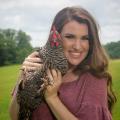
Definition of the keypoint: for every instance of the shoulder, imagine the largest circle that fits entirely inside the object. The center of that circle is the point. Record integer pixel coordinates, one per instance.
(94, 83)
(90, 78)
(95, 89)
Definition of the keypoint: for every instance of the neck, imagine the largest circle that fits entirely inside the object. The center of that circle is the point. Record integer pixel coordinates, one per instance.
(71, 68)
(70, 75)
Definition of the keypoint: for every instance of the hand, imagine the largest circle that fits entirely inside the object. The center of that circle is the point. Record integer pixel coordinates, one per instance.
(52, 90)
(32, 62)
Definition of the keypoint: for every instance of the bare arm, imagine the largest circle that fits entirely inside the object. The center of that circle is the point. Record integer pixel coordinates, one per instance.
(14, 109)
(31, 63)
(58, 108)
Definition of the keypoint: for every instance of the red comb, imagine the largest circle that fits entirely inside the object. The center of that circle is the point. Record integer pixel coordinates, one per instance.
(55, 36)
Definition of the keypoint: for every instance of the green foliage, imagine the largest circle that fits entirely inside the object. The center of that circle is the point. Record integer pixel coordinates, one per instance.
(7, 46)
(9, 74)
(23, 46)
(14, 46)
(113, 49)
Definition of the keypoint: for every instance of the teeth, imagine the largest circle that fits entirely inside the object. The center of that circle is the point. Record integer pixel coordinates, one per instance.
(76, 55)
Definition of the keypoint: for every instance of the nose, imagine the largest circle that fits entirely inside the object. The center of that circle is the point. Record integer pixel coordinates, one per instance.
(77, 44)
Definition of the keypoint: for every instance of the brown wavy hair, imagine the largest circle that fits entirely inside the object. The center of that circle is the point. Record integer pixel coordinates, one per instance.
(96, 61)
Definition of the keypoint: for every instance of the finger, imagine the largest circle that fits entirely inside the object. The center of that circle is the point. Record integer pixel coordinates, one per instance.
(49, 74)
(34, 54)
(54, 73)
(59, 75)
(50, 77)
(30, 64)
(34, 60)
(44, 84)
(28, 68)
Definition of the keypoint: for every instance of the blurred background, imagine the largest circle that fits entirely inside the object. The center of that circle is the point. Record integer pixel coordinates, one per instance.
(25, 25)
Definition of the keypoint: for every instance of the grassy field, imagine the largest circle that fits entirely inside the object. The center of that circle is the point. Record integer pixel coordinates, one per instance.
(115, 71)
(8, 77)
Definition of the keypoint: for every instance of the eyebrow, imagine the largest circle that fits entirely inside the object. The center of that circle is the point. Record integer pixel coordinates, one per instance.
(74, 35)
(68, 34)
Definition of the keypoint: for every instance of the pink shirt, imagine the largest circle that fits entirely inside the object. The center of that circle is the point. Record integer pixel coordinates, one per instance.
(86, 98)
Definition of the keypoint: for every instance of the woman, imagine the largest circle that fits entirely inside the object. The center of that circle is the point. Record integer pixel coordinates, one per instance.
(84, 92)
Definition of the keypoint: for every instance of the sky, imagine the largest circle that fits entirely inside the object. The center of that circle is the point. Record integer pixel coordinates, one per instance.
(35, 17)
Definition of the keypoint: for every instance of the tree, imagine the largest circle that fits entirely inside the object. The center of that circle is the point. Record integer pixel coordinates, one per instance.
(113, 49)
(7, 46)
(14, 46)
(23, 45)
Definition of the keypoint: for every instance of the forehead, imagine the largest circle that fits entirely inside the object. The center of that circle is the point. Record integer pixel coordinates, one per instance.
(75, 27)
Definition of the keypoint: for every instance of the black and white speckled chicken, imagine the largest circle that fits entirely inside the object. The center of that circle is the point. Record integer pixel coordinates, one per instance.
(31, 95)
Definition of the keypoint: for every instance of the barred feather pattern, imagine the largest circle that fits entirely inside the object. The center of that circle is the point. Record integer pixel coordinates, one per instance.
(31, 95)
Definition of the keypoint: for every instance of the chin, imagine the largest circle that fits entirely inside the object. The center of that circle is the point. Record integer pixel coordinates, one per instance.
(75, 63)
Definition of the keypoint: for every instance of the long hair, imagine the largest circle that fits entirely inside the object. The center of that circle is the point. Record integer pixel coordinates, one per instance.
(96, 61)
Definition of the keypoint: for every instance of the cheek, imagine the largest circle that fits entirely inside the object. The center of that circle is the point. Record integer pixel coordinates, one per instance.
(66, 46)
(85, 45)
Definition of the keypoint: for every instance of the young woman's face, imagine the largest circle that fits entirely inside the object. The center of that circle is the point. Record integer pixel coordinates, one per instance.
(75, 42)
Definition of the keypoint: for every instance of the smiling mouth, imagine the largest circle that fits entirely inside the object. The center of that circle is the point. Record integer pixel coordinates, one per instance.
(75, 54)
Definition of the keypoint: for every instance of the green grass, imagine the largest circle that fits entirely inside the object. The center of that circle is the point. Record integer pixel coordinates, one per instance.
(115, 71)
(8, 77)
(9, 74)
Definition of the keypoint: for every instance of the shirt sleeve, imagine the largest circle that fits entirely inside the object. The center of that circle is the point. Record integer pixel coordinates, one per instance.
(93, 112)
(93, 105)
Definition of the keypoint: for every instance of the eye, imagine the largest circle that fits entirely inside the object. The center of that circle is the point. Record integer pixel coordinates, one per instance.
(71, 37)
(85, 37)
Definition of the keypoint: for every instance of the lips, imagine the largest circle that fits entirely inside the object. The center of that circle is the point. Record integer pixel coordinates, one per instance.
(75, 54)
